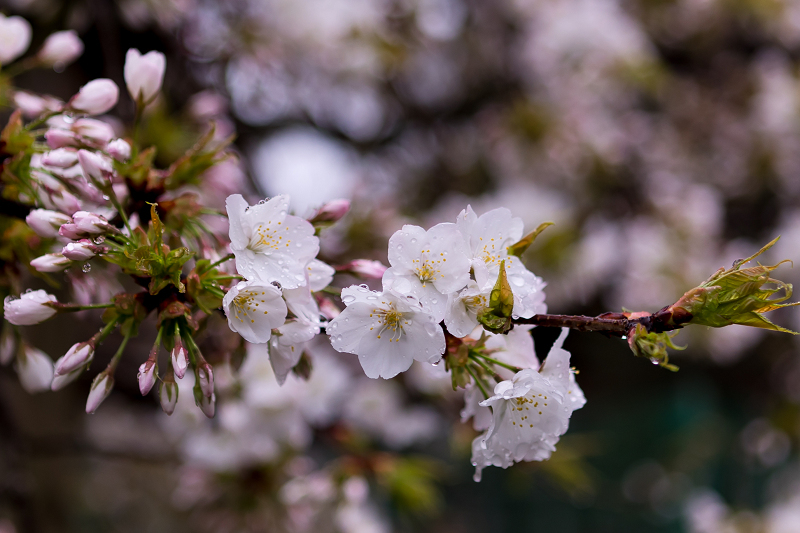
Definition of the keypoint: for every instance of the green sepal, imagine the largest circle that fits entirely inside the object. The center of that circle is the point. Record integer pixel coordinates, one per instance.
(497, 315)
(518, 248)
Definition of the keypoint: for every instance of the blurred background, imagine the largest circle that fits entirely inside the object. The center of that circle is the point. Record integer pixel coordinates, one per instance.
(661, 136)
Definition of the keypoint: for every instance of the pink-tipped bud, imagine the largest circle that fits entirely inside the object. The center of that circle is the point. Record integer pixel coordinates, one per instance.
(35, 369)
(327, 308)
(33, 105)
(60, 49)
(144, 74)
(61, 381)
(180, 358)
(364, 268)
(58, 138)
(148, 372)
(331, 211)
(80, 251)
(65, 201)
(50, 263)
(30, 308)
(46, 223)
(85, 223)
(95, 131)
(168, 394)
(96, 97)
(101, 388)
(119, 149)
(60, 157)
(207, 404)
(76, 357)
(96, 166)
(205, 377)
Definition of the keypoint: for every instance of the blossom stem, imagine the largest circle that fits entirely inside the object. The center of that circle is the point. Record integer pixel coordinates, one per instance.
(112, 366)
(486, 367)
(194, 351)
(496, 362)
(217, 263)
(477, 381)
(75, 307)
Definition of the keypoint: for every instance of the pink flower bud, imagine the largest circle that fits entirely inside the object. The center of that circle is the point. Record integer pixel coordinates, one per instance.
(331, 211)
(33, 105)
(96, 166)
(65, 201)
(58, 138)
(15, 37)
(60, 157)
(101, 388)
(79, 251)
(60, 49)
(30, 308)
(96, 97)
(144, 74)
(119, 149)
(364, 268)
(62, 380)
(168, 394)
(96, 131)
(205, 403)
(76, 357)
(205, 377)
(90, 223)
(148, 372)
(50, 263)
(180, 358)
(35, 370)
(327, 308)
(46, 223)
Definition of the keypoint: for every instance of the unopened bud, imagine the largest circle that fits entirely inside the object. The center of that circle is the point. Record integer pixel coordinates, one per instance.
(93, 131)
(16, 37)
(205, 377)
(94, 165)
(46, 223)
(119, 149)
(96, 97)
(60, 157)
(364, 268)
(327, 308)
(101, 388)
(59, 138)
(33, 105)
(62, 380)
(76, 357)
(144, 74)
(168, 394)
(35, 369)
(65, 201)
(331, 212)
(50, 263)
(60, 49)
(205, 403)
(180, 358)
(80, 251)
(30, 308)
(148, 372)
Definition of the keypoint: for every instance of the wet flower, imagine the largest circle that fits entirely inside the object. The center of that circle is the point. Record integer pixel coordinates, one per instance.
(253, 308)
(428, 264)
(529, 413)
(30, 308)
(78, 356)
(15, 37)
(269, 244)
(50, 263)
(387, 331)
(101, 388)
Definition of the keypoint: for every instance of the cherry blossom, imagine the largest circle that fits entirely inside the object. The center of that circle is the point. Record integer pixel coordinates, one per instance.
(387, 331)
(269, 244)
(253, 308)
(30, 308)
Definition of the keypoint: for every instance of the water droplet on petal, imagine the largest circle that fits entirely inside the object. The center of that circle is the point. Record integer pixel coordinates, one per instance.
(348, 299)
(430, 328)
(86, 268)
(99, 239)
(106, 197)
(413, 241)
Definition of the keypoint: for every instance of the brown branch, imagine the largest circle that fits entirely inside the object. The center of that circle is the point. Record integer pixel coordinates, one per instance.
(615, 324)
